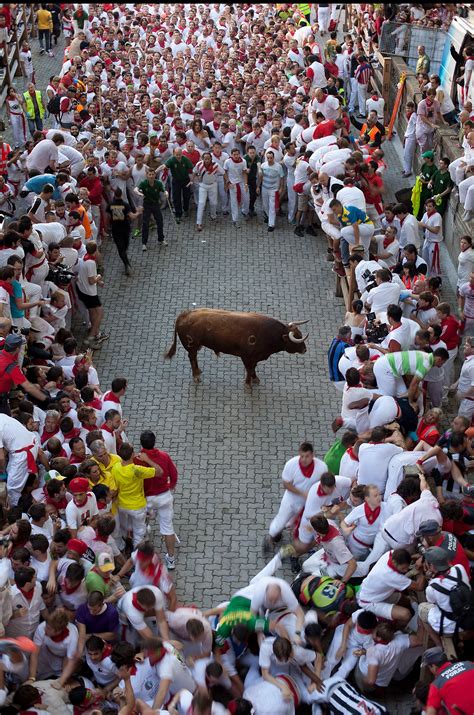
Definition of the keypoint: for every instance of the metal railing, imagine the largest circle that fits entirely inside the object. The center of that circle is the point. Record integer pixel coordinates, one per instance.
(402, 39)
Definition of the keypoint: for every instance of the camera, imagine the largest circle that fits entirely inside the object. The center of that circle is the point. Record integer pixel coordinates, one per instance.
(21, 331)
(60, 275)
(369, 279)
(375, 333)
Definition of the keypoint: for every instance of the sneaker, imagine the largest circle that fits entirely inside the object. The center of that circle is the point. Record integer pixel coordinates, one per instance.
(287, 551)
(311, 231)
(270, 229)
(163, 243)
(41, 51)
(178, 219)
(299, 230)
(144, 248)
(267, 545)
(101, 337)
(295, 565)
(50, 53)
(170, 562)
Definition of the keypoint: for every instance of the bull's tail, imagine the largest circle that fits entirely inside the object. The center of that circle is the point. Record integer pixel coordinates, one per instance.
(172, 350)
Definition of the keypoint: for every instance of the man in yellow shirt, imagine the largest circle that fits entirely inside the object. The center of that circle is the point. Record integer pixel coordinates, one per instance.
(45, 27)
(131, 495)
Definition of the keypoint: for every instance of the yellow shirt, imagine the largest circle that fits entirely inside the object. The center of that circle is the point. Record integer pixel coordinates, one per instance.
(107, 479)
(45, 20)
(129, 479)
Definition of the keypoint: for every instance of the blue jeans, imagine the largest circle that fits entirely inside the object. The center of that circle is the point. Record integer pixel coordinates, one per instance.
(35, 124)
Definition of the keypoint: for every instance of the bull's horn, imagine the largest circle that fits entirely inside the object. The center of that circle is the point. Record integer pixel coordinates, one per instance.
(297, 340)
(297, 322)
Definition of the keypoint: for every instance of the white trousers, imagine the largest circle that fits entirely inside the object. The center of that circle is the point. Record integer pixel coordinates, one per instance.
(290, 506)
(235, 207)
(33, 293)
(162, 504)
(323, 19)
(457, 169)
(466, 408)
(269, 200)
(387, 383)
(76, 168)
(205, 192)
(427, 253)
(17, 473)
(223, 194)
(291, 200)
(18, 129)
(362, 98)
(409, 153)
(464, 187)
(134, 519)
(354, 95)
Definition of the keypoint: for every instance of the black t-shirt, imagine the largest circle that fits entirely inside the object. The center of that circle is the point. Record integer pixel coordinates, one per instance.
(119, 211)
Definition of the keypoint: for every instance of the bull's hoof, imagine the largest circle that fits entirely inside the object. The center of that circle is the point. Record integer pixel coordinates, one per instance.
(197, 379)
(255, 381)
(247, 385)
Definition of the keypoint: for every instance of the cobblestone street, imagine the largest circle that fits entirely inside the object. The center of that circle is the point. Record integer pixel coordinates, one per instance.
(229, 443)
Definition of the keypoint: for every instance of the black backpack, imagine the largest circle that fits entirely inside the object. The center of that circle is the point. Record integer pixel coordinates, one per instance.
(461, 603)
(54, 104)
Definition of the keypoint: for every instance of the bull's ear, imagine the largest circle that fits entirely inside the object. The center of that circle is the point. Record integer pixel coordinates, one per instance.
(285, 338)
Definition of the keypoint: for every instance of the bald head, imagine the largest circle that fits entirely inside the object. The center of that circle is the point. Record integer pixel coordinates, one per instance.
(273, 595)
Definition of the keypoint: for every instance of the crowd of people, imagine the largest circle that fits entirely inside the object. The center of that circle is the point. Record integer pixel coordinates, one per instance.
(157, 111)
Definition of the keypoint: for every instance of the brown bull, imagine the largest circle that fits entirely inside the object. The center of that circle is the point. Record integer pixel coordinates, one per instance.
(250, 336)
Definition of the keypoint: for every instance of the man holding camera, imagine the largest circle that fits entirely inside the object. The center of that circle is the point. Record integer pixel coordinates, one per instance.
(384, 293)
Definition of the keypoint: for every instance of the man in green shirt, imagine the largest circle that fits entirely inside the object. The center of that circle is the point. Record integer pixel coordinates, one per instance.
(181, 169)
(151, 189)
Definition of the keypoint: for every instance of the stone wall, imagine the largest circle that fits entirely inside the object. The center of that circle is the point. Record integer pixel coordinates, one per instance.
(446, 144)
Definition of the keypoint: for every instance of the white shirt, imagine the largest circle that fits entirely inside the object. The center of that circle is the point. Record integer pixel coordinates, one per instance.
(409, 232)
(441, 600)
(13, 435)
(172, 667)
(466, 378)
(292, 473)
(318, 79)
(64, 649)
(364, 531)
(42, 154)
(129, 615)
(85, 270)
(403, 526)
(267, 659)
(314, 501)
(330, 107)
(382, 582)
(352, 196)
(235, 170)
(434, 220)
(287, 600)
(386, 657)
(350, 395)
(25, 625)
(77, 516)
(373, 463)
(382, 296)
(348, 466)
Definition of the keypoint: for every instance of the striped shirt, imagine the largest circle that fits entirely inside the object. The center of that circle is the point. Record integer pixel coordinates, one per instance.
(271, 175)
(351, 215)
(208, 174)
(410, 362)
(363, 73)
(335, 352)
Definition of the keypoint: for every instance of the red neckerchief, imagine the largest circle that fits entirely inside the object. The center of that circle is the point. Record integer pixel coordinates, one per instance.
(71, 434)
(67, 589)
(352, 454)
(332, 533)
(106, 428)
(47, 435)
(307, 471)
(79, 506)
(364, 631)
(88, 428)
(320, 492)
(154, 658)
(90, 257)
(101, 538)
(371, 514)
(153, 571)
(390, 563)
(111, 397)
(106, 652)
(8, 287)
(135, 603)
(387, 242)
(237, 161)
(27, 594)
(75, 460)
(96, 404)
(61, 636)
